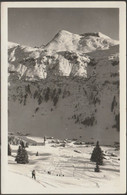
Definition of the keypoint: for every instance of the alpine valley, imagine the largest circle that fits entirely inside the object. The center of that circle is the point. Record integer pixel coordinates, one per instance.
(68, 88)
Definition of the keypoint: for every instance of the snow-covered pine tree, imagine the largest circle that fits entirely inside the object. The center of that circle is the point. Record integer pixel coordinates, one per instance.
(9, 150)
(97, 155)
(22, 156)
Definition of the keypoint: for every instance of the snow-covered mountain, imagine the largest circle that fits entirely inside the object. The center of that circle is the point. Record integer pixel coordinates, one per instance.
(68, 88)
(65, 55)
(86, 42)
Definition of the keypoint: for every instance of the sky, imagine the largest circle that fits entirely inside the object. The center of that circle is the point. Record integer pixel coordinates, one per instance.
(37, 26)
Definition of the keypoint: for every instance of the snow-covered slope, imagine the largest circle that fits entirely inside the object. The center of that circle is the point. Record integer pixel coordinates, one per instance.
(20, 184)
(35, 64)
(61, 169)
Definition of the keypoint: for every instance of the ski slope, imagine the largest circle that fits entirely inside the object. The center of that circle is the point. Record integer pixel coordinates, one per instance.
(63, 169)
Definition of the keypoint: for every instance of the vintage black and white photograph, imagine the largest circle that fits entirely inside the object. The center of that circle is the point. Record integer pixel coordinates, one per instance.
(63, 131)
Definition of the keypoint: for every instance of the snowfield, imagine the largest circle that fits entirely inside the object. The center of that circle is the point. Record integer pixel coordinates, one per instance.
(22, 184)
(63, 169)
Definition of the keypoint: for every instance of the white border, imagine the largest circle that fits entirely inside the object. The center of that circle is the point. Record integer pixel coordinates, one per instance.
(4, 92)
(122, 32)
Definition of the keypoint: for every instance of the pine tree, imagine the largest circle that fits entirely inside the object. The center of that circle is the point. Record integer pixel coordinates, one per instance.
(22, 156)
(9, 150)
(97, 155)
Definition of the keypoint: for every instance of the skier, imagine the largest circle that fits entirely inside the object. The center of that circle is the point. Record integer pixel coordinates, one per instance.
(33, 174)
